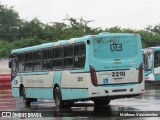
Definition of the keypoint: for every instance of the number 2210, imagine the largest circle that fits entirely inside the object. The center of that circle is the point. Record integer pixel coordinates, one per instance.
(117, 74)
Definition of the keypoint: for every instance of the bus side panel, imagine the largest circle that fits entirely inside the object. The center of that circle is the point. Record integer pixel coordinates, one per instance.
(39, 93)
(39, 86)
(71, 94)
(74, 80)
(15, 86)
(15, 92)
(36, 84)
(75, 85)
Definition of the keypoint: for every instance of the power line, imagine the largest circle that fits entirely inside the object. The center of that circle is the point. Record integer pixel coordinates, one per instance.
(25, 34)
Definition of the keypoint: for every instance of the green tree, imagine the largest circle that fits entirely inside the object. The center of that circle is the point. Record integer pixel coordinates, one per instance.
(32, 28)
(154, 29)
(79, 27)
(9, 23)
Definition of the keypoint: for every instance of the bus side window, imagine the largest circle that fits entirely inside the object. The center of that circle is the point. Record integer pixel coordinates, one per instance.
(28, 62)
(37, 60)
(47, 59)
(58, 57)
(79, 55)
(68, 56)
(21, 62)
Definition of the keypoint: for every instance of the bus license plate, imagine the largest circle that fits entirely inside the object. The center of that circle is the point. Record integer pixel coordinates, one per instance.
(118, 74)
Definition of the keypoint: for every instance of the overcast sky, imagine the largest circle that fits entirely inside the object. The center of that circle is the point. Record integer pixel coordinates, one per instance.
(136, 14)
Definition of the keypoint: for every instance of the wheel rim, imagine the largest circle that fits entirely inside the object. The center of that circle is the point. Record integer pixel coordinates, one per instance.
(57, 98)
(24, 95)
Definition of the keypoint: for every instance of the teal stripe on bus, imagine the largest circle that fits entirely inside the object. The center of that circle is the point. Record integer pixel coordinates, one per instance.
(33, 73)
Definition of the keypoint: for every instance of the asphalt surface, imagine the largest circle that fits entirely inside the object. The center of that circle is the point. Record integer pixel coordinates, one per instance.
(144, 107)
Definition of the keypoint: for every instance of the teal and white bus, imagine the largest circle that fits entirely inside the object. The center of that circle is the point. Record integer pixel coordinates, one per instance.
(94, 67)
(151, 57)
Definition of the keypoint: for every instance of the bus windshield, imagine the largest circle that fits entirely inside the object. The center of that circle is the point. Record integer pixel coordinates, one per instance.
(115, 47)
(147, 62)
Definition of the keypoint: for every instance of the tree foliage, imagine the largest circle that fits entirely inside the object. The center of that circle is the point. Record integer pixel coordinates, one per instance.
(9, 23)
(18, 33)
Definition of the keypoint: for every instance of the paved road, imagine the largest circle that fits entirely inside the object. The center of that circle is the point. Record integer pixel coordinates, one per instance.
(119, 109)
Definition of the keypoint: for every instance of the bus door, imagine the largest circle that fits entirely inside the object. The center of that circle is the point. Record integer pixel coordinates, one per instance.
(13, 66)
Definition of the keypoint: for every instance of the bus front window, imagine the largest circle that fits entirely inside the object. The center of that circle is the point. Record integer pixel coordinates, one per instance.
(147, 62)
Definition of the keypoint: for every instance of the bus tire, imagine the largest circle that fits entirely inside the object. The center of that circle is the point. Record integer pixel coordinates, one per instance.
(26, 100)
(58, 98)
(98, 102)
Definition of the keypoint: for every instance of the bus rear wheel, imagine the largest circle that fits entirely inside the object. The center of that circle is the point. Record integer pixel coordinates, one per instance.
(98, 102)
(58, 98)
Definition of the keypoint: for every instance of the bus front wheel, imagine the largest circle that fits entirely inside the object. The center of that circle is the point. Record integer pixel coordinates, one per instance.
(26, 100)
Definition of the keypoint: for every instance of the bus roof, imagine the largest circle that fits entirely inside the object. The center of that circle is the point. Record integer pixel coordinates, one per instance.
(32, 48)
(154, 48)
(72, 40)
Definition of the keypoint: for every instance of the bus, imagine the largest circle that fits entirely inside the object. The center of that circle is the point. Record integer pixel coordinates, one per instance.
(151, 57)
(98, 67)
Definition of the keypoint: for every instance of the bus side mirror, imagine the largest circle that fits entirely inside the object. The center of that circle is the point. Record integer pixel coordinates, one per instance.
(10, 64)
